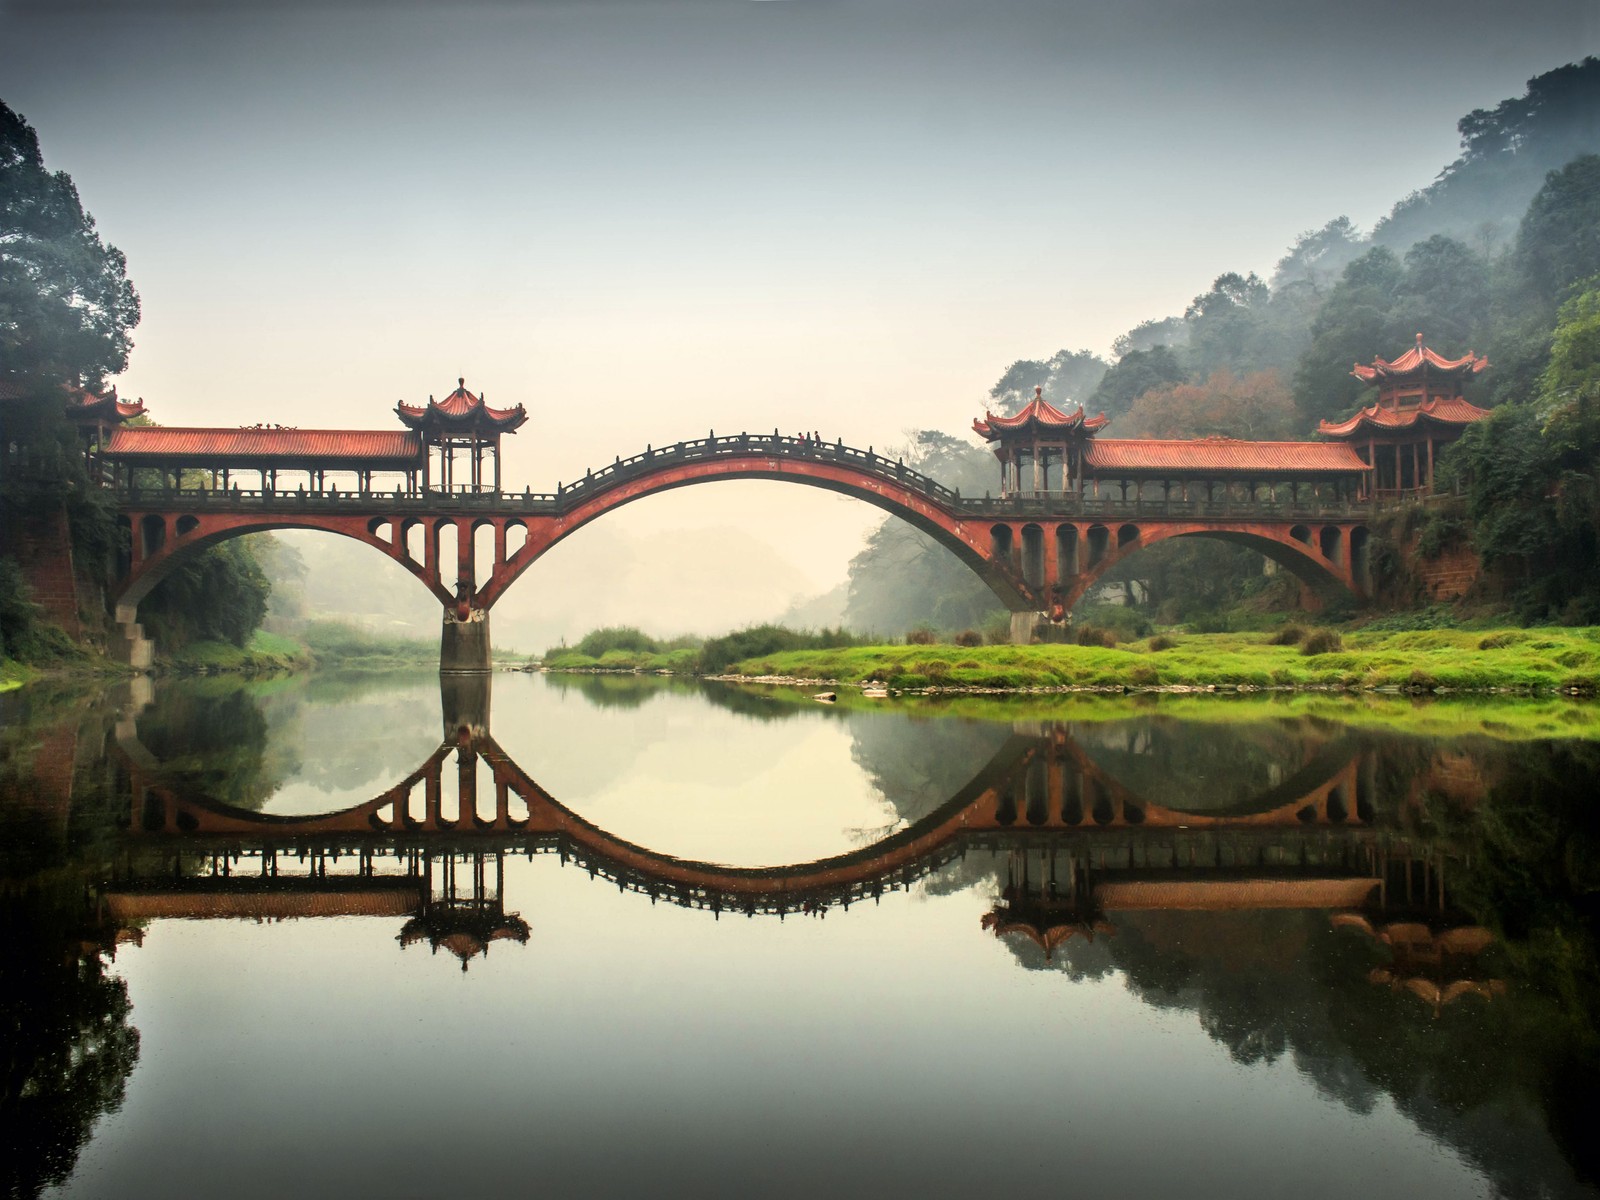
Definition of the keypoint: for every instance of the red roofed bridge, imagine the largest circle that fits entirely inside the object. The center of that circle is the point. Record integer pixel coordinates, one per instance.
(1070, 505)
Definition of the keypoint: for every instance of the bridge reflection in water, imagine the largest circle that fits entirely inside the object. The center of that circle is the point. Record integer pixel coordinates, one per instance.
(1075, 845)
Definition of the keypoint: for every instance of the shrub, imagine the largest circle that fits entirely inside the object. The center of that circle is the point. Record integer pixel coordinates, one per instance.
(969, 637)
(1289, 635)
(921, 636)
(718, 654)
(1499, 641)
(1092, 635)
(1162, 642)
(1322, 641)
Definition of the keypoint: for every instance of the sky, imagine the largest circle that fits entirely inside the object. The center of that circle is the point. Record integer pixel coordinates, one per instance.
(648, 220)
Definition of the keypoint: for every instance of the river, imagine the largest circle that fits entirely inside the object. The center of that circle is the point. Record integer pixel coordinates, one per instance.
(367, 935)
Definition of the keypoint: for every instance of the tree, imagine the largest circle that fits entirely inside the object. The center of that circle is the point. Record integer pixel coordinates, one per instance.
(1134, 374)
(1065, 376)
(1257, 406)
(1505, 154)
(1319, 255)
(67, 309)
(1558, 243)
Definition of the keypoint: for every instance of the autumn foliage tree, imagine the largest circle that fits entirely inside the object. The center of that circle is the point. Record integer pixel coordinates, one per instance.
(1256, 406)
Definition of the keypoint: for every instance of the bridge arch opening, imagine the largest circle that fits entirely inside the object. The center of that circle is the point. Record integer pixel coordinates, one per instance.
(1099, 543)
(187, 523)
(1325, 577)
(1127, 536)
(153, 534)
(1066, 551)
(1033, 555)
(516, 537)
(485, 545)
(1331, 542)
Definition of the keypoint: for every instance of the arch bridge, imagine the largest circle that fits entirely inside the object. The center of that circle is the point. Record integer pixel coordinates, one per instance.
(1039, 552)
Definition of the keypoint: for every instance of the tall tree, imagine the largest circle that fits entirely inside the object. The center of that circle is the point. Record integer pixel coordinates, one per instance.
(67, 309)
(1067, 375)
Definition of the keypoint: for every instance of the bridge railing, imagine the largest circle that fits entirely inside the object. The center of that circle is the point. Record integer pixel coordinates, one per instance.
(744, 445)
(775, 445)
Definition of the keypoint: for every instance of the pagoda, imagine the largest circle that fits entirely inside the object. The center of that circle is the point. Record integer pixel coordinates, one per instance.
(1039, 436)
(1419, 410)
(461, 421)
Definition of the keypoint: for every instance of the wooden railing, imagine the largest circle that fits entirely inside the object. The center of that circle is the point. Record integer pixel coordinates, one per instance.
(712, 448)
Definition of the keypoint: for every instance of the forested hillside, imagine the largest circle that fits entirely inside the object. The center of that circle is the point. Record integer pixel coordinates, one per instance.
(1501, 255)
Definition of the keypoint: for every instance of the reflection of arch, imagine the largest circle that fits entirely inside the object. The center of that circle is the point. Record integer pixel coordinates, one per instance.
(1033, 786)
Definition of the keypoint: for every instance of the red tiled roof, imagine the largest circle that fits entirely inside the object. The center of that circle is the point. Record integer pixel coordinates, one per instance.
(398, 448)
(461, 410)
(84, 405)
(1453, 411)
(1038, 413)
(1220, 454)
(1418, 360)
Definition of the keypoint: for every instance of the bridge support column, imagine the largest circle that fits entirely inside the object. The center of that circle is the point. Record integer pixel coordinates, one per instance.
(464, 645)
(127, 643)
(464, 703)
(1026, 627)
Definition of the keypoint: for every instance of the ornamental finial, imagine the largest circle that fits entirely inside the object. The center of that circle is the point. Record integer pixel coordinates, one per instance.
(1038, 391)
(461, 380)
(1419, 341)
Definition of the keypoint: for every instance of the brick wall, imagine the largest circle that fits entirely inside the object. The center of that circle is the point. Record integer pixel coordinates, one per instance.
(1449, 576)
(42, 546)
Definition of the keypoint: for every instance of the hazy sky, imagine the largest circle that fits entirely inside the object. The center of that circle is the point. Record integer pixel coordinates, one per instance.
(647, 220)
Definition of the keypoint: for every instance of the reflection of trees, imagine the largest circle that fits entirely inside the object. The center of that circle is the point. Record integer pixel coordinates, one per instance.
(210, 737)
(1511, 1084)
(68, 1049)
(1180, 764)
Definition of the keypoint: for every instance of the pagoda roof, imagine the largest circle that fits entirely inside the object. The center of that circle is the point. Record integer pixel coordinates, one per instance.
(84, 405)
(1419, 361)
(254, 446)
(1219, 455)
(1037, 415)
(1450, 411)
(462, 412)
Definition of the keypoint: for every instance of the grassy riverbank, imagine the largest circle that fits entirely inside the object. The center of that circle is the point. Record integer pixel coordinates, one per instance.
(1501, 718)
(1432, 660)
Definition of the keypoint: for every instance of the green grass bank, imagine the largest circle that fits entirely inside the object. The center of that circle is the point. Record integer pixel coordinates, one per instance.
(1442, 660)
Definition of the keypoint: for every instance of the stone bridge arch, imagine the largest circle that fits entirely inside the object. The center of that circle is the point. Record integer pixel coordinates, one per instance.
(161, 541)
(968, 537)
(1329, 557)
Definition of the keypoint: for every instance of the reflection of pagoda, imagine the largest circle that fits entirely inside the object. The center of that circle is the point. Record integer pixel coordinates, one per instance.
(464, 922)
(461, 421)
(1419, 410)
(1046, 912)
(1435, 962)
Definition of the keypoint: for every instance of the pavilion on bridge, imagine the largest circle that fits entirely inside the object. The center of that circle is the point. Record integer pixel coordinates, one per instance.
(422, 457)
(1387, 450)
(1419, 410)
(1046, 452)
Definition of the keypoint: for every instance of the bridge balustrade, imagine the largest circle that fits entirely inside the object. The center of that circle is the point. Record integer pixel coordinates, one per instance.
(652, 459)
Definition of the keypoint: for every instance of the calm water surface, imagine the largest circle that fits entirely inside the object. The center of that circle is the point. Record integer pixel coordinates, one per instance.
(609, 935)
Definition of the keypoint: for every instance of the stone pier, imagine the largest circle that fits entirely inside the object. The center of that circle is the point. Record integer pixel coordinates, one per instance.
(464, 645)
